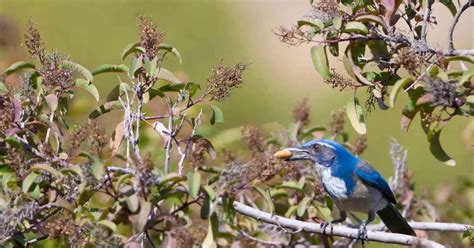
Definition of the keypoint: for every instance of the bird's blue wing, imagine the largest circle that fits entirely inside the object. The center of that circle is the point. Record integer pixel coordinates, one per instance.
(371, 177)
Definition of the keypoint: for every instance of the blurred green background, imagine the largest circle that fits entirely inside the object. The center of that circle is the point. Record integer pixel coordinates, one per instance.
(94, 32)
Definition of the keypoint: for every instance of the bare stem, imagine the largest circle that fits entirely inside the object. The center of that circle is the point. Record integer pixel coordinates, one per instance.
(170, 140)
(188, 143)
(455, 21)
(426, 17)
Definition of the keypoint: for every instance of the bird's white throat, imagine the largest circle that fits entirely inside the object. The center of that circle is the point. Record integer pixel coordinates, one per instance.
(335, 186)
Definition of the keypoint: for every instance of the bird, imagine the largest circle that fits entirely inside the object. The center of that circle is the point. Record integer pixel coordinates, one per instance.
(352, 183)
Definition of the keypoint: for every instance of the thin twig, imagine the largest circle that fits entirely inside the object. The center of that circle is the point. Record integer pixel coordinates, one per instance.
(426, 17)
(455, 21)
(170, 140)
(188, 142)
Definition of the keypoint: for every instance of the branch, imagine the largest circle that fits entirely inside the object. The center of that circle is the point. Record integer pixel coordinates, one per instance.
(188, 143)
(426, 17)
(343, 231)
(455, 21)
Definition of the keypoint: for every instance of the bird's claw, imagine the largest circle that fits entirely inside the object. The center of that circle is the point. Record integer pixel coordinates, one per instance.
(362, 234)
(323, 225)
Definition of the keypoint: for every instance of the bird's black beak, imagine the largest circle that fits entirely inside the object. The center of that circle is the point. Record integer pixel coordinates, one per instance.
(292, 154)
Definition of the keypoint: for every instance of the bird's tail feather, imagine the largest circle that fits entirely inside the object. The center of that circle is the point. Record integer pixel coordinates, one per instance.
(395, 221)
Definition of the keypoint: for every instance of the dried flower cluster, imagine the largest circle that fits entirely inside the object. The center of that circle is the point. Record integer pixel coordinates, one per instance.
(253, 138)
(337, 123)
(338, 81)
(7, 114)
(372, 99)
(34, 43)
(409, 59)
(359, 145)
(150, 37)
(292, 36)
(301, 112)
(54, 73)
(223, 80)
(325, 10)
(444, 93)
(228, 156)
(183, 237)
(92, 132)
(238, 175)
(61, 226)
(198, 151)
(13, 216)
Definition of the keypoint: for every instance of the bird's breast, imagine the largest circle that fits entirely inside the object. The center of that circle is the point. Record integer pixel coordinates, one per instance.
(363, 199)
(335, 186)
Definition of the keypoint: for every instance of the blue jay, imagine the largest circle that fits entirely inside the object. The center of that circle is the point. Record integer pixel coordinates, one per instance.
(353, 184)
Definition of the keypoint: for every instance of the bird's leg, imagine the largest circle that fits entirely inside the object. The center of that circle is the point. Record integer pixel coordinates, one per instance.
(362, 235)
(342, 218)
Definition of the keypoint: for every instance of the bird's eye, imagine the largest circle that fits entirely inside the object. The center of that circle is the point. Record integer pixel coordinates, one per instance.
(316, 146)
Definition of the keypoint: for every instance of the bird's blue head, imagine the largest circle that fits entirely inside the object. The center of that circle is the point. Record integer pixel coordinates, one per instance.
(321, 152)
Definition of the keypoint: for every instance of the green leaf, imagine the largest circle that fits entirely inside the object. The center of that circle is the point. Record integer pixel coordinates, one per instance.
(320, 61)
(329, 202)
(356, 115)
(355, 53)
(137, 63)
(372, 18)
(334, 47)
(109, 68)
(208, 207)
(140, 220)
(450, 5)
(461, 58)
(316, 23)
(355, 27)
(164, 74)
(46, 167)
(302, 206)
(18, 66)
(88, 86)
(171, 49)
(105, 108)
(291, 210)
(150, 66)
(132, 48)
(122, 179)
(291, 185)
(217, 115)
(267, 197)
(209, 239)
(397, 87)
(79, 68)
(3, 89)
(337, 22)
(466, 76)
(438, 151)
(210, 192)
(172, 177)
(133, 202)
(28, 182)
(108, 224)
(118, 91)
(194, 183)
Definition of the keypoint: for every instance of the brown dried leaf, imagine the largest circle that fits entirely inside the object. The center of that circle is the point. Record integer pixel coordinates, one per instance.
(117, 138)
(162, 131)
